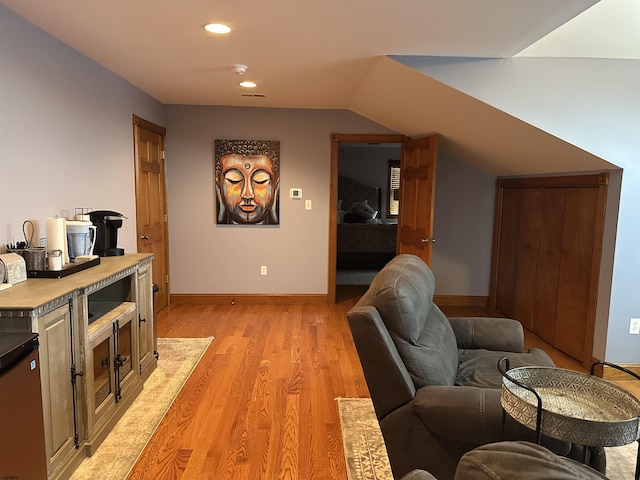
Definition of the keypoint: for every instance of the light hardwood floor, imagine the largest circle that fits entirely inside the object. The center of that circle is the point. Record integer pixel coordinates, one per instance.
(261, 403)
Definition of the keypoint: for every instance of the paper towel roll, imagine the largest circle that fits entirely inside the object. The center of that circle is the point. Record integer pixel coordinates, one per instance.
(57, 236)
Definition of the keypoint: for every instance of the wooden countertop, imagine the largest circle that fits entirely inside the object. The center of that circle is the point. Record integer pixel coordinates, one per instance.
(35, 292)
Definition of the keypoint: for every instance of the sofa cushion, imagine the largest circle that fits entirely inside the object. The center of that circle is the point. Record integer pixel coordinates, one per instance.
(403, 294)
(521, 460)
(479, 367)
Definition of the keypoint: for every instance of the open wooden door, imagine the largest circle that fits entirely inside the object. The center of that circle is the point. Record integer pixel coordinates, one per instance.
(151, 203)
(417, 189)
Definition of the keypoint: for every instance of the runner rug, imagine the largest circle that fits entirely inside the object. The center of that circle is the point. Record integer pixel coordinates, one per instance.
(366, 455)
(119, 452)
(364, 451)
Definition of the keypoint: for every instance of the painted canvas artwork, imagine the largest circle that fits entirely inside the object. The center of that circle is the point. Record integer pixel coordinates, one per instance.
(247, 179)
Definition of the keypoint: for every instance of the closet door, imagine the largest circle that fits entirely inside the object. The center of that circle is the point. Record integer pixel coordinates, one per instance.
(547, 247)
(548, 255)
(519, 237)
(576, 268)
(507, 231)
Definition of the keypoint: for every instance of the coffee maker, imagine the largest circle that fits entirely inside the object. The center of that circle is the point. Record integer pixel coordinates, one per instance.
(107, 224)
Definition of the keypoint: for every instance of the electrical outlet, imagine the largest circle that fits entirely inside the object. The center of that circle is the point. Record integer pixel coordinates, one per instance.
(634, 326)
(263, 270)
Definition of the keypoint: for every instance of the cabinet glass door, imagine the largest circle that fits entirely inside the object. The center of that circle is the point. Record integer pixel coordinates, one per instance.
(102, 372)
(125, 353)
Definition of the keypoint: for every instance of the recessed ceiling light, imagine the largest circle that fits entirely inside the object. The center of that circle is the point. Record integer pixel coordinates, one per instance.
(248, 84)
(216, 28)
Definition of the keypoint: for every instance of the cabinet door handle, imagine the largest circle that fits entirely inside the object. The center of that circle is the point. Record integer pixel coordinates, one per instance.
(75, 374)
(141, 320)
(144, 237)
(120, 361)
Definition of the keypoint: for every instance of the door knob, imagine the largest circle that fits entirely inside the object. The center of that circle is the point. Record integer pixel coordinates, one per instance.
(427, 240)
(144, 237)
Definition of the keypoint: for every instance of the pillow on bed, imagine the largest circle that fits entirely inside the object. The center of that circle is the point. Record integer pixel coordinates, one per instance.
(364, 210)
(340, 212)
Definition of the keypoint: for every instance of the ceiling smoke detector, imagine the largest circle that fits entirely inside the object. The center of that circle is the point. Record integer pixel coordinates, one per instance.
(239, 69)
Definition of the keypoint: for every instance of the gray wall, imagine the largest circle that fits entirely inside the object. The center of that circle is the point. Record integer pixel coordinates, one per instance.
(65, 133)
(210, 258)
(463, 228)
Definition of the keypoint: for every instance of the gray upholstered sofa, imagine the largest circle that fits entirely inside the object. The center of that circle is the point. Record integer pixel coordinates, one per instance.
(434, 381)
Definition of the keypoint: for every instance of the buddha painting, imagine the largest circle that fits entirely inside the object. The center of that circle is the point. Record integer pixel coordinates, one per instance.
(247, 182)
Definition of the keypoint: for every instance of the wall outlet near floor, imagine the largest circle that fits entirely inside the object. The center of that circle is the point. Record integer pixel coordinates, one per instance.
(634, 326)
(263, 270)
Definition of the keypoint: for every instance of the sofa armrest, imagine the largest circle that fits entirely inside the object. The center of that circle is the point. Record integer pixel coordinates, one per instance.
(388, 380)
(504, 334)
(473, 416)
(469, 415)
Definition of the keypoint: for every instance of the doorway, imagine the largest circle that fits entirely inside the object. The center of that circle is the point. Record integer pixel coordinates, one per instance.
(416, 196)
(354, 141)
(367, 212)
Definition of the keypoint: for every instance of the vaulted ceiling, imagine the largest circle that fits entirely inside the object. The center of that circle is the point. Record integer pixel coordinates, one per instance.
(329, 54)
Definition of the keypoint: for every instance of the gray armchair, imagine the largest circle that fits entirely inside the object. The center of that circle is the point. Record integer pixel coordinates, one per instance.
(434, 381)
(509, 460)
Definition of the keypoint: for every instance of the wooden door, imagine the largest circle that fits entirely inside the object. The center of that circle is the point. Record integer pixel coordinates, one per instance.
(547, 248)
(548, 263)
(528, 225)
(151, 203)
(417, 189)
(575, 277)
(518, 253)
(509, 209)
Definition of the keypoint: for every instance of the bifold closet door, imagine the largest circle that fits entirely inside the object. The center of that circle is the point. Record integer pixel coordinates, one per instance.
(547, 256)
(518, 253)
(548, 260)
(576, 270)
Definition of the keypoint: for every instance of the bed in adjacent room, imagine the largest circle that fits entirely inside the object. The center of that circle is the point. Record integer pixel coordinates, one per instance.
(364, 241)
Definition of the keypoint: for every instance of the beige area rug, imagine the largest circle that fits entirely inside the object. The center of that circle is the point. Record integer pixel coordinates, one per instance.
(119, 452)
(366, 455)
(364, 451)
(621, 462)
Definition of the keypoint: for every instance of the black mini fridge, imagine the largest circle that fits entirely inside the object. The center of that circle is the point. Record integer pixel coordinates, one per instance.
(22, 448)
